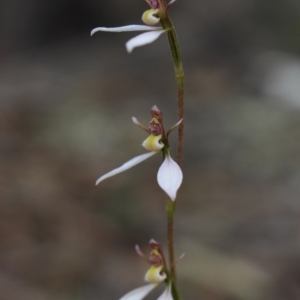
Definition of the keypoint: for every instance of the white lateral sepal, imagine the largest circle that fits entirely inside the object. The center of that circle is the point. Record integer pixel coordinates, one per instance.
(126, 28)
(139, 293)
(129, 164)
(167, 294)
(143, 39)
(169, 177)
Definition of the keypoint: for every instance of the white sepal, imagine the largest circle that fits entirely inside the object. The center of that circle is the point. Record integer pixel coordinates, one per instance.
(129, 164)
(167, 294)
(136, 122)
(169, 177)
(143, 39)
(126, 28)
(139, 293)
(170, 3)
(174, 126)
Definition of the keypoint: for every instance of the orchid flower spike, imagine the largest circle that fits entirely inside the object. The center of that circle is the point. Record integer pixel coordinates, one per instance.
(154, 276)
(169, 176)
(150, 17)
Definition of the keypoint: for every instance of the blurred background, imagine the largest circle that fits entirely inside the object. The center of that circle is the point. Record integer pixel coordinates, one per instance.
(66, 102)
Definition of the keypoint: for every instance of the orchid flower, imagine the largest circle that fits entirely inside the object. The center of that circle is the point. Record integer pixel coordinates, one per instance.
(155, 275)
(169, 176)
(150, 17)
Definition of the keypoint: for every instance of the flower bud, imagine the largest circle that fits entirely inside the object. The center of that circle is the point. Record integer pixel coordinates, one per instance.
(150, 17)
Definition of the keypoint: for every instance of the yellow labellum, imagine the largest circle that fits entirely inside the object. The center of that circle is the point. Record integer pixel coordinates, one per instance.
(155, 275)
(153, 143)
(150, 17)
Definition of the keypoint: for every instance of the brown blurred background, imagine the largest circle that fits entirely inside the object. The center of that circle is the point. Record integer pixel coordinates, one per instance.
(66, 102)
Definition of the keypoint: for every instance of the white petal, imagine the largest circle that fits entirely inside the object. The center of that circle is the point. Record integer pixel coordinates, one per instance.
(143, 39)
(136, 122)
(174, 126)
(129, 164)
(126, 28)
(166, 295)
(139, 293)
(171, 2)
(169, 177)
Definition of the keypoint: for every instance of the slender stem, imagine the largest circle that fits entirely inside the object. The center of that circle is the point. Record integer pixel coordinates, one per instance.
(174, 47)
(170, 212)
(175, 292)
(171, 206)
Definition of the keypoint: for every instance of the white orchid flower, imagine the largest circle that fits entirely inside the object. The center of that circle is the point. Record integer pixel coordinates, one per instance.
(150, 17)
(155, 275)
(169, 176)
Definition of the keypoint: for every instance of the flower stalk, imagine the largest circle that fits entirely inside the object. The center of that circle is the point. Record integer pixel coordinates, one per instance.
(169, 176)
(167, 24)
(174, 47)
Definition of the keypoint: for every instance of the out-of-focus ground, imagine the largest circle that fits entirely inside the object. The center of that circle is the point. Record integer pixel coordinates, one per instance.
(66, 102)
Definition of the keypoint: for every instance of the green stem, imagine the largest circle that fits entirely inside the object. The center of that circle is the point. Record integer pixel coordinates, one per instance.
(175, 292)
(170, 212)
(174, 47)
